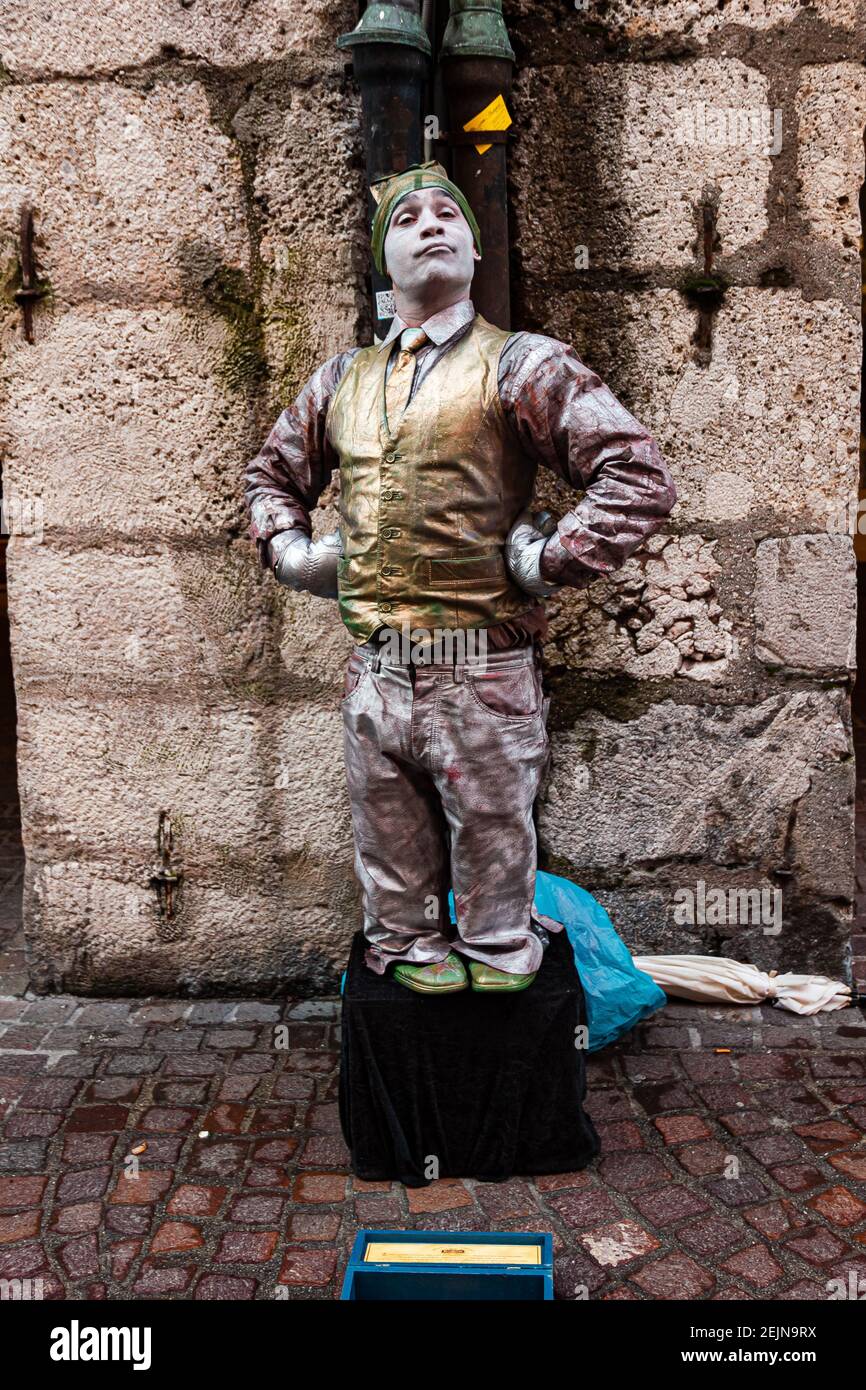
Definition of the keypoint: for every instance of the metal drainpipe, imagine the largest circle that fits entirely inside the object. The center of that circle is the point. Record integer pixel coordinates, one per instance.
(390, 57)
(476, 59)
(428, 19)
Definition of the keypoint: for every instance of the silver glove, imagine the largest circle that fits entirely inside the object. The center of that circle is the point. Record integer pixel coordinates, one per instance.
(304, 564)
(523, 548)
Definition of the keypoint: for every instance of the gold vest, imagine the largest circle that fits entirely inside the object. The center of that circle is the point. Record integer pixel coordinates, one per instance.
(427, 502)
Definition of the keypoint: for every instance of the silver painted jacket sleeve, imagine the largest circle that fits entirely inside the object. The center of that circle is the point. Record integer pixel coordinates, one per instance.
(569, 421)
(284, 481)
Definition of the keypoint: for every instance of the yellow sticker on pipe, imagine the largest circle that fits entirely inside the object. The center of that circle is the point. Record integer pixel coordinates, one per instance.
(493, 117)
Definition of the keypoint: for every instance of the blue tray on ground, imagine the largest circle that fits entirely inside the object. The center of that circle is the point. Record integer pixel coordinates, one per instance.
(497, 1265)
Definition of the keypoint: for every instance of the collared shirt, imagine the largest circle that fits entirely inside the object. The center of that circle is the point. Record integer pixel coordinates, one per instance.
(563, 414)
(443, 329)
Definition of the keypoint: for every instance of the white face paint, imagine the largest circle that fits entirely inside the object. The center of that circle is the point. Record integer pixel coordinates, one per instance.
(429, 246)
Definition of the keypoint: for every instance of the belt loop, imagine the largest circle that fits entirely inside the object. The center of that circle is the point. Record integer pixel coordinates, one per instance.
(376, 661)
(458, 673)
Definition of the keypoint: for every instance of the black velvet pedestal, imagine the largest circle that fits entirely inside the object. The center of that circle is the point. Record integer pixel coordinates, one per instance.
(488, 1085)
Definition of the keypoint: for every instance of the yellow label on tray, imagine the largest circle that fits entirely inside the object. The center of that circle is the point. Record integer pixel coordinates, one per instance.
(493, 117)
(450, 1252)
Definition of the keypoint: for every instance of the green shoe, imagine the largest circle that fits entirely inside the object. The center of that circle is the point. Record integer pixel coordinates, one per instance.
(442, 977)
(487, 980)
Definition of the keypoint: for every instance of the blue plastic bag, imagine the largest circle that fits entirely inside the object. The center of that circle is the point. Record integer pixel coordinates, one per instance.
(617, 994)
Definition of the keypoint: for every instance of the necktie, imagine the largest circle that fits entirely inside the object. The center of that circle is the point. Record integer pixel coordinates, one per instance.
(399, 382)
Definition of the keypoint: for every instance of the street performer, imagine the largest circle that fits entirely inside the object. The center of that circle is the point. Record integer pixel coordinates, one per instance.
(437, 433)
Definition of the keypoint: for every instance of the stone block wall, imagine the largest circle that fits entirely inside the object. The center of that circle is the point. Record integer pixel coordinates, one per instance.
(196, 175)
(709, 159)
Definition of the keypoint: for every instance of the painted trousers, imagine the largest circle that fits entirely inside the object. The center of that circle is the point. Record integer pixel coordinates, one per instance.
(443, 764)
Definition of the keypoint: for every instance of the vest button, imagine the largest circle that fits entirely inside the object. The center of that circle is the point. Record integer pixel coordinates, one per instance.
(386, 569)
(390, 532)
(385, 607)
(387, 495)
(390, 458)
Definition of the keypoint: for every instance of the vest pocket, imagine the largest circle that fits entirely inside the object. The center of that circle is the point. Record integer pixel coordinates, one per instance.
(459, 572)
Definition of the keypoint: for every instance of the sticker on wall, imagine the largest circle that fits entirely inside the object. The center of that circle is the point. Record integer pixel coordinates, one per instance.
(385, 306)
(493, 117)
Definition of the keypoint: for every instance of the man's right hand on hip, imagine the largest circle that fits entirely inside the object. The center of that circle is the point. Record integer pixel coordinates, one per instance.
(306, 565)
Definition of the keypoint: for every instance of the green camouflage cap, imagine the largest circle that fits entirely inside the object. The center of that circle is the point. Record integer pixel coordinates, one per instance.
(387, 193)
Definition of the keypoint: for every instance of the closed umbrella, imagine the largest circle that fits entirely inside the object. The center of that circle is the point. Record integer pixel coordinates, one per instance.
(716, 979)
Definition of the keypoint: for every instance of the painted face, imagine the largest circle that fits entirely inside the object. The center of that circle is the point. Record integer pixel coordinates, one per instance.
(429, 242)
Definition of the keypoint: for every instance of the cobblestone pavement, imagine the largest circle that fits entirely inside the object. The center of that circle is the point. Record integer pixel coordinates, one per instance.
(735, 1174)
